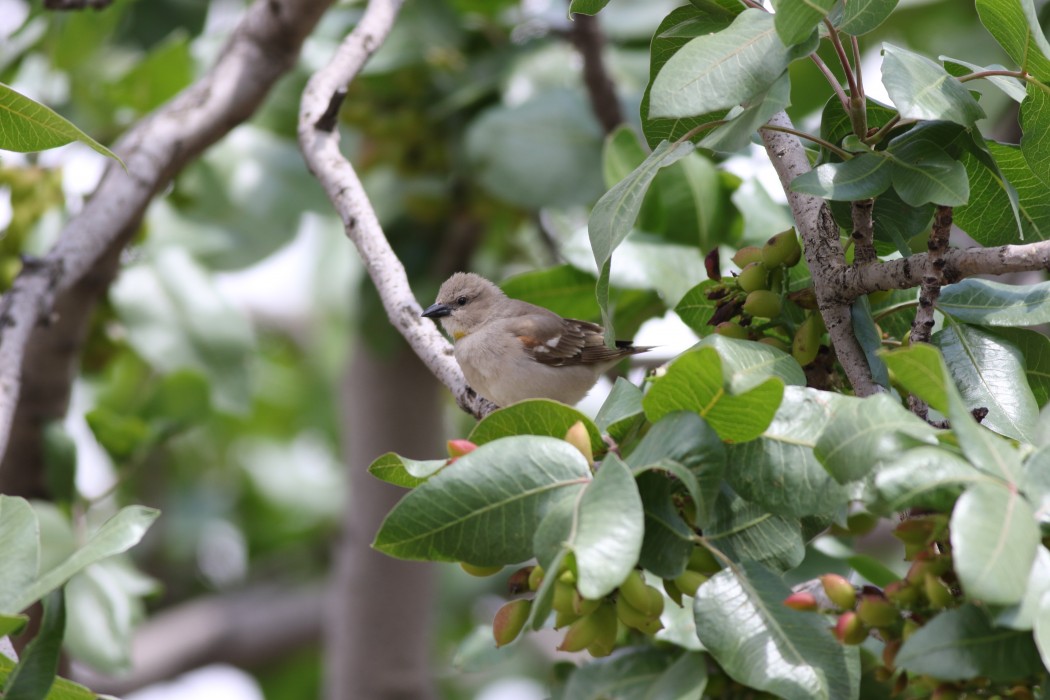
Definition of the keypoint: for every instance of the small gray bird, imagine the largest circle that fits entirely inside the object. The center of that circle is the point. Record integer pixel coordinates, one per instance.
(511, 350)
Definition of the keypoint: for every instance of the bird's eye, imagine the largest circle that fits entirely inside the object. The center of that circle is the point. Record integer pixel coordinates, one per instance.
(462, 301)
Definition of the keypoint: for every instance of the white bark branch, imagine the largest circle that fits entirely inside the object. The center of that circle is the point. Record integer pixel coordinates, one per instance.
(319, 142)
(262, 48)
(824, 254)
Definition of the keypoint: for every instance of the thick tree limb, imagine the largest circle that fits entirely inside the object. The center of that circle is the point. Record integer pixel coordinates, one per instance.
(824, 254)
(586, 35)
(319, 142)
(247, 628)
(262, 48)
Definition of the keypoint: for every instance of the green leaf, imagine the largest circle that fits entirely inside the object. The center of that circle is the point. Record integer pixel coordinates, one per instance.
(35, 673)
(744, 121)
(12, 624)
(746, 364)
(746, 532)
(862, 16)
(961, 644)
(990, 303)
(922, 89)
(402, 471)
(609, 526)
(1011, 87)
(1027, 614)
(869, 335)
(19, 550)
(118, 534)
(615, 213)
(862, 177)
(1035, 482)
(61, 689)
(120, 435)
(27, 126)
(1015, 25)
(994, 541)
(668, 541)
(694, 382)
(720, 70)
(1035, 349)
(563, 289)
(923, 172)
(586, 7)
(622, 409)
(695, 309)
(545, 152)
(896, 223)
(988, 217)
(861, 433)
(778, 471)
(795, 20)
(642, 673)
(836, 125)
(743, 622)
(692, 203)
(685, 438)
(534, 417)
(484, 508)
(923, 477)
(922, 371)
(990, 373)
(1035, 127)
(683, 24)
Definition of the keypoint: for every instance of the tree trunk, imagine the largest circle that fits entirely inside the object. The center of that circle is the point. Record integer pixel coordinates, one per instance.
(378, 629)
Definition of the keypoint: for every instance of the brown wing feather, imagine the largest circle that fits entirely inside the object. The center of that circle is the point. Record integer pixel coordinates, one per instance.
(555, 341)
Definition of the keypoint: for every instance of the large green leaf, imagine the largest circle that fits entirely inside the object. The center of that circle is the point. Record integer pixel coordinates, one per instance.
(644, 673)
(922, 89)
(685, 438)
(675, 31)
(543, 152)
(865, 176)
(861, 433)
(690, 203)
(743, 622)
(695, 309)
(746, 364)
(1026, 614)
(861, 16)
(991, 303)
(778, 471)
(695, 382)
(795, 20)
(19, 550)
(118, 534)
(746, 532)
(720, 70)
(1013, 88)
(994, 540)
(1035, 349)
(668, 540)
(534, 417)
(896, 222)
(608, 529)
(35, 673)
(990, 373)
(1015, 25)
(744, 121)
(923, 477)
(485, 507)
(61, 689)
(587, 7)
(621, 410)
(923, 172)
(988, 218)
(961, 644)
(27, 126)
(1035, 125)
(922, 371)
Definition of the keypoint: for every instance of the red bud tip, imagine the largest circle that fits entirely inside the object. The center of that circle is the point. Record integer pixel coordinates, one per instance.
(803, 601)
(460, 447)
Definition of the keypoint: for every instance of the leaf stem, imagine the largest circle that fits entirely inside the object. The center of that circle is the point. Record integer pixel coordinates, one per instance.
(845, 155)
(883, 130)
(1019, 74)
(851, 79)
(832, 80)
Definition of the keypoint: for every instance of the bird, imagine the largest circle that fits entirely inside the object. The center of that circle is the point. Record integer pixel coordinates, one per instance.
(511, 350)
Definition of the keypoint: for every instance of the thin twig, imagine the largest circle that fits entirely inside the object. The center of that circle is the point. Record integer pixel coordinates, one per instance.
(320, 148)
(586, 35)
(851, 79)
(843, 154)
(930, 290)
(832, 80)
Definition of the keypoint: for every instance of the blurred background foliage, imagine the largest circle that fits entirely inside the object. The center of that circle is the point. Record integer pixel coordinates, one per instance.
(208, 386)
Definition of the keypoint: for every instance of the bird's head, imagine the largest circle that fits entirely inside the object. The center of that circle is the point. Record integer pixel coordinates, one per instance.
(464, 302)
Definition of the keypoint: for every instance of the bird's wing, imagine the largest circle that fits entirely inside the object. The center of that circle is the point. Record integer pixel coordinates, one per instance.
(552, 340)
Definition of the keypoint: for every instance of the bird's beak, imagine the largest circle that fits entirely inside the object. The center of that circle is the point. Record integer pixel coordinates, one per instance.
(437, 311)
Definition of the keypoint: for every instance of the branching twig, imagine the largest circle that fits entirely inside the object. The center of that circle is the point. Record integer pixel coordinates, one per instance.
(319, 143)
(262, 48)
(930, 290)
(863, 232)
(824, 254)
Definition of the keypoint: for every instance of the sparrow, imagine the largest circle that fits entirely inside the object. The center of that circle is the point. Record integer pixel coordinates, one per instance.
(511, 350)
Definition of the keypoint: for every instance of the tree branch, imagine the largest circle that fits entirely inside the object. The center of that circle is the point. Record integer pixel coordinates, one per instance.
(319, 142)
(824, 254)
(930, 290)
(863, 232)
(586, 35)
(262, 48)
